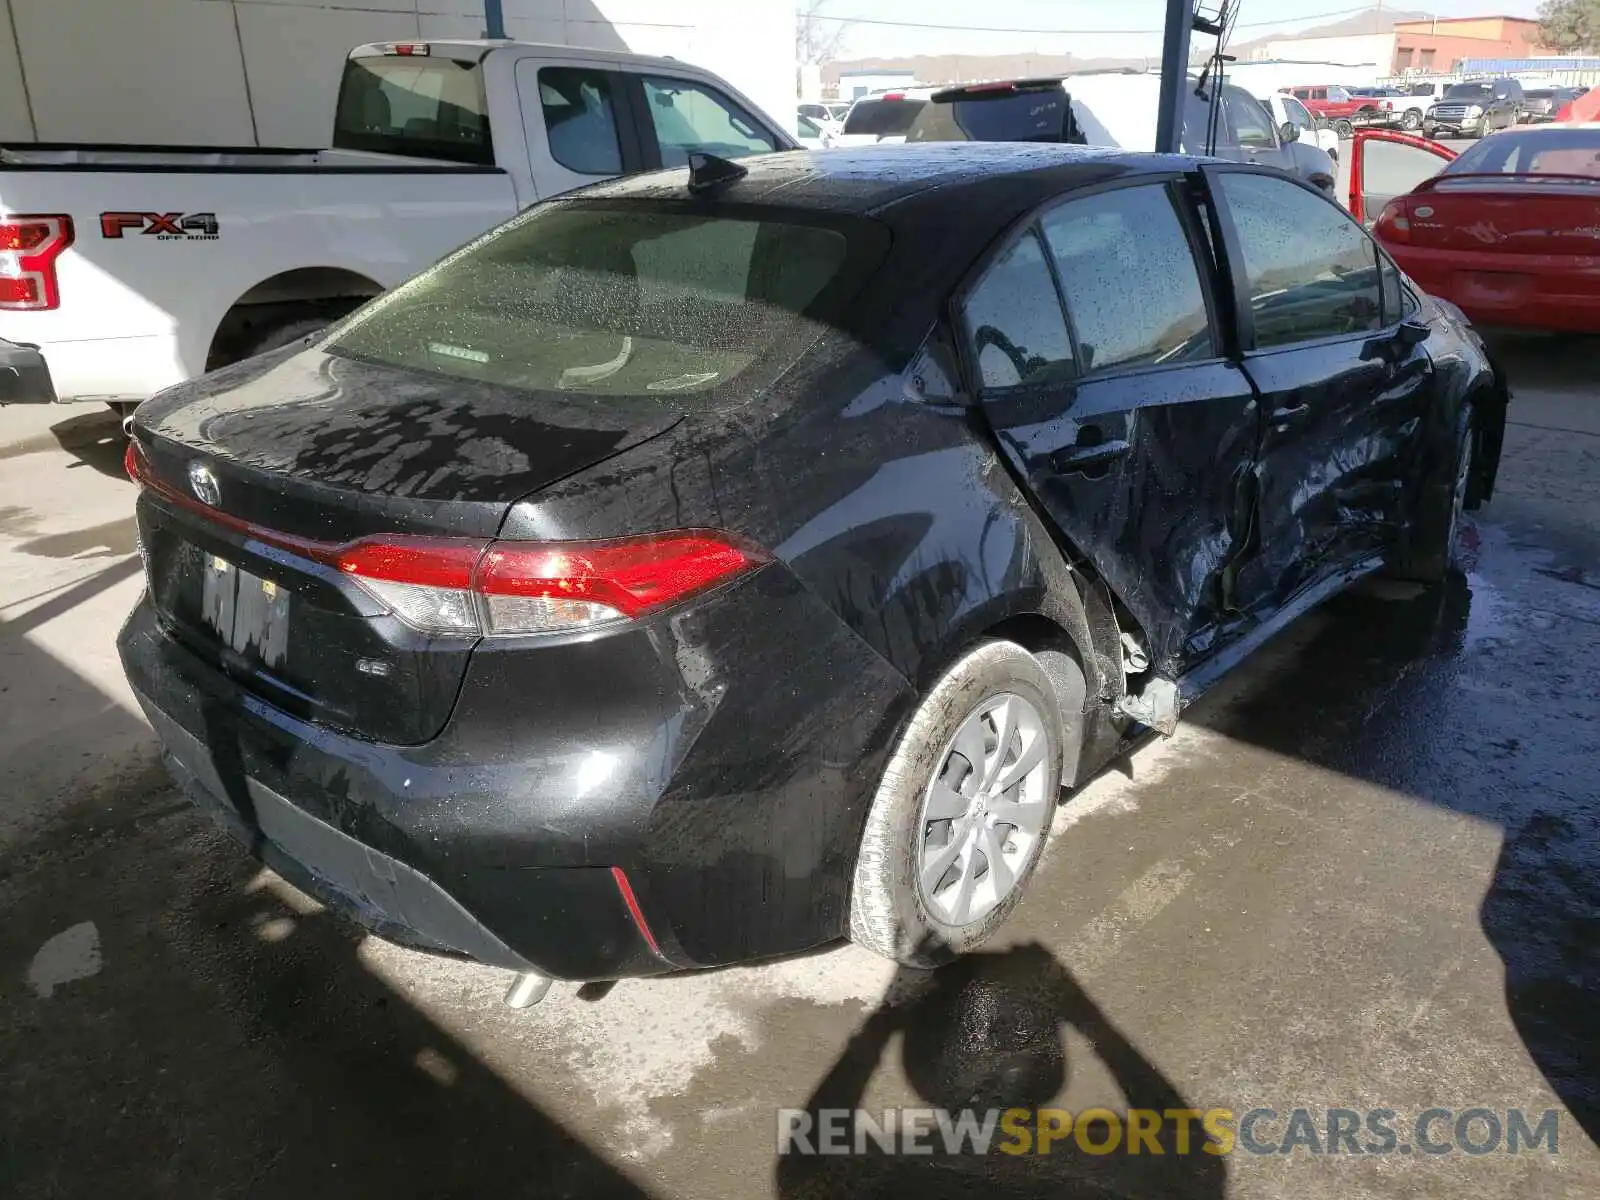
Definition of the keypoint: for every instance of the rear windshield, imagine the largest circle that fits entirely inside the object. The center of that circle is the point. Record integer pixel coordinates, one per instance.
(424, 107)
(1548, 151)
(1032, 116)
(611, 299)
(882, 118)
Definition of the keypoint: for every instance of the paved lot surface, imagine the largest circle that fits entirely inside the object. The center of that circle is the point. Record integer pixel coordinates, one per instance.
(1362, 875)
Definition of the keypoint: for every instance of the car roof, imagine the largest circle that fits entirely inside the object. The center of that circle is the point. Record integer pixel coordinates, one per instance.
(866, 179)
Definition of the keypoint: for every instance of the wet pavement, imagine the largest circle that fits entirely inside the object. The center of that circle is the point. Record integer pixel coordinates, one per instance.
(1361, 876)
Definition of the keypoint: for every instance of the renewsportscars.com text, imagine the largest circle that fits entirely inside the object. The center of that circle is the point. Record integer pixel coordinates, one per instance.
(1217, 1131)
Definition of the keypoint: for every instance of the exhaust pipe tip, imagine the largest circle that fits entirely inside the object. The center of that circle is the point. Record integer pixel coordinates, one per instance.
(127, 426)
(527, 989)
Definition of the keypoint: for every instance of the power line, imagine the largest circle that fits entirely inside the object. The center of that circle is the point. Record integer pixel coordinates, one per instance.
(1342, 12)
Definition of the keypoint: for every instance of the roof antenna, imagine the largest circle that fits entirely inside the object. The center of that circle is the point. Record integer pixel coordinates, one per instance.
(707, 171)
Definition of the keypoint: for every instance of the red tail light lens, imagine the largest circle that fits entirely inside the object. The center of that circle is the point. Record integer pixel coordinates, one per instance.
(1394, 222)
(29, 247)
(507, 589)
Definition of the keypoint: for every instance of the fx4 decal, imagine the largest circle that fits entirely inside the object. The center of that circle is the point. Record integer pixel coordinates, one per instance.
(165, 227)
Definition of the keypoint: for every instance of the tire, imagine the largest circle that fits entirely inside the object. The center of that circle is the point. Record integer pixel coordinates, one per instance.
(1411, 121)
(1435, 549)
(275, 337)
(1344, 129)
(1430, 131)
(898, 906)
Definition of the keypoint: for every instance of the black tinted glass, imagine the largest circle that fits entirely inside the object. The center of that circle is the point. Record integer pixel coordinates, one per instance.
(1035, 116)
(1130, 279)
(610, 300)
(1312, 272)
(1468, 91)
(1014, 320)
(882, 118)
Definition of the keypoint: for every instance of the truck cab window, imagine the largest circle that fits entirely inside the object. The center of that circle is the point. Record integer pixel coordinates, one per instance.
(580, 120)
(421, 107)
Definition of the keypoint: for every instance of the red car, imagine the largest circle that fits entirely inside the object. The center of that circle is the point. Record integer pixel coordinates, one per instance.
(1509, 231)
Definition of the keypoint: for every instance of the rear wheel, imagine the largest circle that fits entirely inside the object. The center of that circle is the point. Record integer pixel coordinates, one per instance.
(1344, 129)
(960, 818)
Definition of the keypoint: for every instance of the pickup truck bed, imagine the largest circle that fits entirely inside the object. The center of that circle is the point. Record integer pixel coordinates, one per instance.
(166, 242)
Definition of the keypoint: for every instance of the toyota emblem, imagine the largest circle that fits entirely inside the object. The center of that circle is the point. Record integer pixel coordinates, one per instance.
(204, 484)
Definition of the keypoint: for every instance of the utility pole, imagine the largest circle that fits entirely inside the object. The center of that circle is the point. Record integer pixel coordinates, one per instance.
(1174, 75)
(494, 19)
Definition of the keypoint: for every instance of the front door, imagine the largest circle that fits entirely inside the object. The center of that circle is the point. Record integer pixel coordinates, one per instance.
(1385, 164)
(1119, 409)
(1342, 376)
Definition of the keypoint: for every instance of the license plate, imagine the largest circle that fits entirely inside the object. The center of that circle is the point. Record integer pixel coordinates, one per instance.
(247, 613)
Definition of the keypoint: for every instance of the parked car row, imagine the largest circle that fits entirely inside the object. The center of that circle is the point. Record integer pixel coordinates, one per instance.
(1109, 109)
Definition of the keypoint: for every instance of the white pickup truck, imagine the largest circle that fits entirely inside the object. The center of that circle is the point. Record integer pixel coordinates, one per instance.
(126, 269)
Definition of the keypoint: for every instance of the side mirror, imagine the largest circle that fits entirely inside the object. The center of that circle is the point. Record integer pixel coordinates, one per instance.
(1412, 333)
(1290, 132)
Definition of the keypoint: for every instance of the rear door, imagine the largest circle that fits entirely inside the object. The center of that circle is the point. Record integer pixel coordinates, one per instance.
(1385, 164)
(1342, 378)
(578, 124)
(1092, 342)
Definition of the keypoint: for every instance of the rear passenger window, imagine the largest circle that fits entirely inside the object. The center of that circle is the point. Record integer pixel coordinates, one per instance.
(689, 117)
(1312, 272)
(1017, 331)
(1133, 290)
(580, 119)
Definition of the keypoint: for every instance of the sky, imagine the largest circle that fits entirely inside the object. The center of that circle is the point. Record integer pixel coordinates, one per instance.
(1097, 27)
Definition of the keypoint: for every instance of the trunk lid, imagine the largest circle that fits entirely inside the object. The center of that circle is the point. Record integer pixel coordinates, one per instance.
(259, 471)
(1528, 216)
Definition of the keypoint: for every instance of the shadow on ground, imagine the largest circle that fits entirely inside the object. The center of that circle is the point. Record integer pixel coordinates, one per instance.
(208, 1039)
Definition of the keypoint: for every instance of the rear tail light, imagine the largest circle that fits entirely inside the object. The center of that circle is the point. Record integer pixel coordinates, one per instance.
(510, 589)
(29, 247)
(1394, 222)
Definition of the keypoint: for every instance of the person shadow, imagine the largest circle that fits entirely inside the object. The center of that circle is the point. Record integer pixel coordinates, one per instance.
(988, 1031)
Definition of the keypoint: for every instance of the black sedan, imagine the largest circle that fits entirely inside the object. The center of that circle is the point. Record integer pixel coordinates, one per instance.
(710, 565)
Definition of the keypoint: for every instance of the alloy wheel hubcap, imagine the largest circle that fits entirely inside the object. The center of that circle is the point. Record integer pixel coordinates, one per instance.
(984, 811)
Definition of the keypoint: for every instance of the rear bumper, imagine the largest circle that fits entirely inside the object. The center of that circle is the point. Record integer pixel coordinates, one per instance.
(1508, 291)
(502, 840)
(24, 375)
(117, 370)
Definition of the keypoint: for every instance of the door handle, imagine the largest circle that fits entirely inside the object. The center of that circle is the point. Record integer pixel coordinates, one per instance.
(1283, 418)
(1083, 458)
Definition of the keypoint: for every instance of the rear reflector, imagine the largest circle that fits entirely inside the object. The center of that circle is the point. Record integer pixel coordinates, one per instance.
(1394, 222)
(29, 247)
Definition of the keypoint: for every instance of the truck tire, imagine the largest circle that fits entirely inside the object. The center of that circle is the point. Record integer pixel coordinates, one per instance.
(1344, 128)
(961, 814)
(1412, 120)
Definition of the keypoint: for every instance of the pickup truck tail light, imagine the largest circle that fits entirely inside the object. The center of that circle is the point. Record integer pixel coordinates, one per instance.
(29, 246)
(510, 589)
